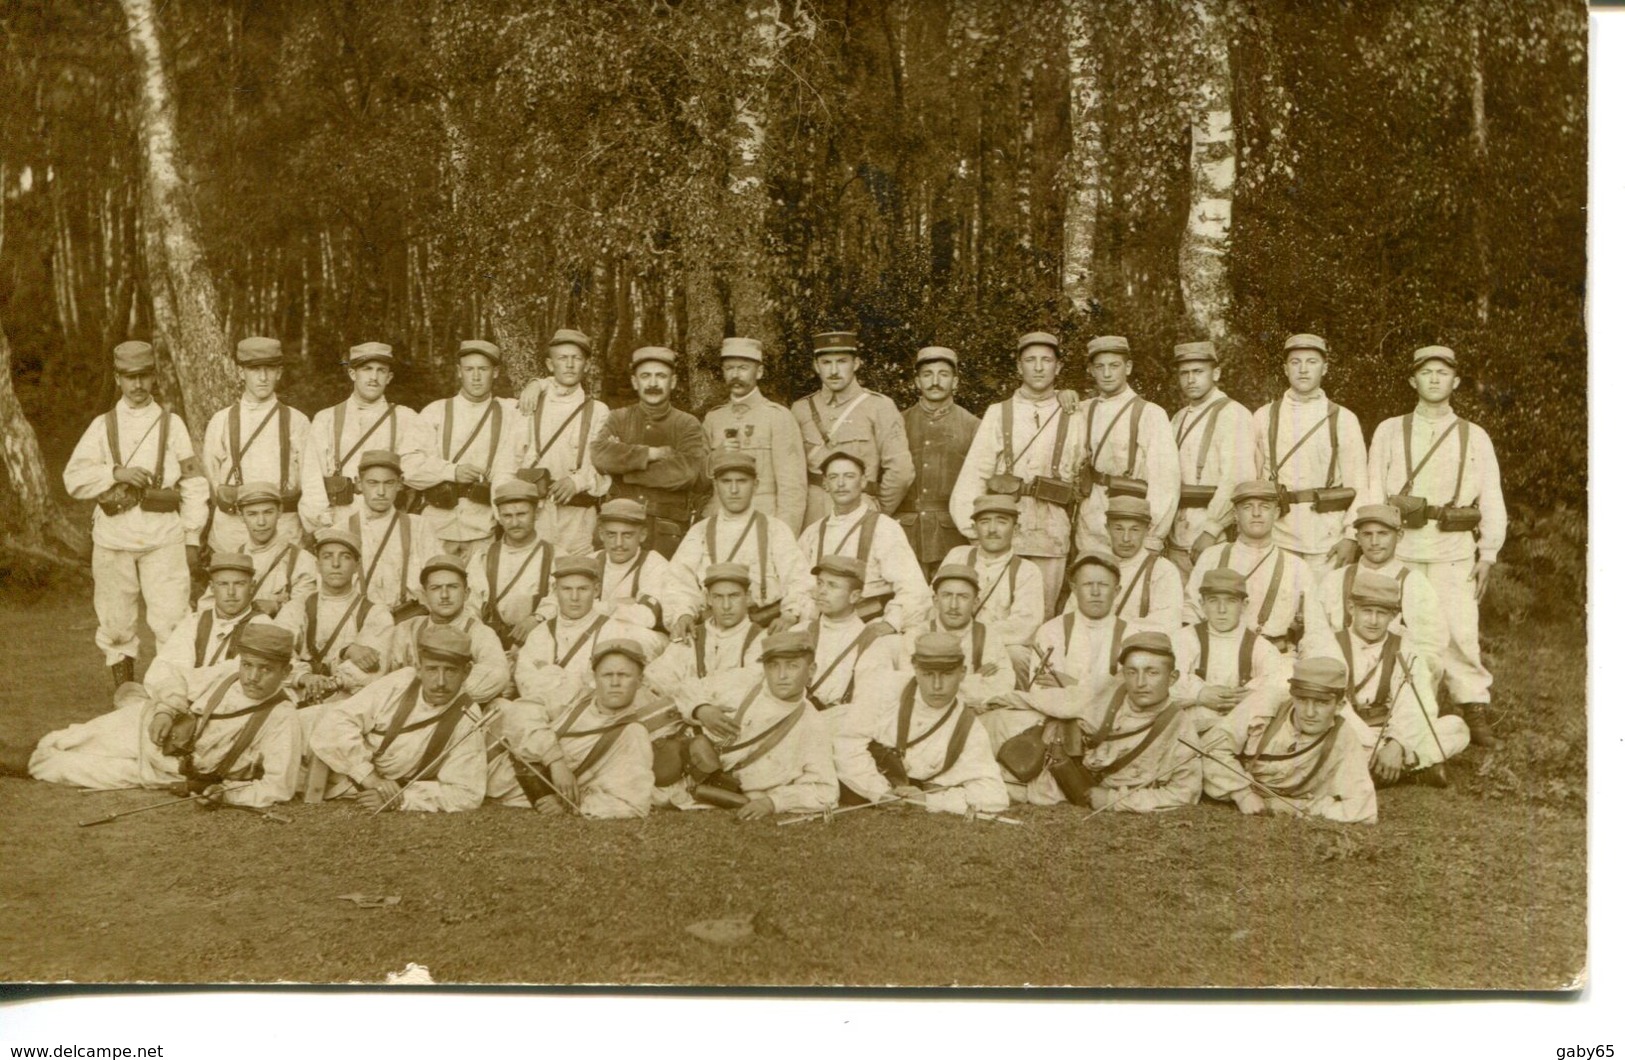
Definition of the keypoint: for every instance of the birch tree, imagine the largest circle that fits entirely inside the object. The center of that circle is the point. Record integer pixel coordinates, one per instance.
(1204, 270)
(186, 306)
(27, 503)
(1084, 157)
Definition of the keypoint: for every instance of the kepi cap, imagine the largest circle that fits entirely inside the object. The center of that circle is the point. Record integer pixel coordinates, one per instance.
(1386, 514)
(370, 351)
(1433, 353)
(631, 649)
(1108, 344)
(1222, 581)
(1321, 677)
(939, 649)
(791, 642)
(658, 354)
(737, 573)
(134, 358)
(1099, 559)
(845, 566)
(444, 561)
(577, 566)
(963, 572)
(266, 640)
(835, 342)
(1371, 589)
(378, 458)
(258, 493)
(932, 354)
(1129, 508)
(256, 351)
(724, 462)
(1196, 351)
(1147, 640)
(742, 349)
(480, 346)
(1305, 341)
(570, 337)
(994, 503)
(1038, 338)
(842, 454)
(334, 535)
(514, 490)
(446, 643)
(1257, 489)
(236, 561)
(623, 510)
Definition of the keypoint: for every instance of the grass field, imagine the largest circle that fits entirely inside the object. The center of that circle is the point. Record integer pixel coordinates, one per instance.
(1479, 886)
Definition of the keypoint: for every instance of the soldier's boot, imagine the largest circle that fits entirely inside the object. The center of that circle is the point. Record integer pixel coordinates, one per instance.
(1477, 716)
(122, 671)
(1432, 777)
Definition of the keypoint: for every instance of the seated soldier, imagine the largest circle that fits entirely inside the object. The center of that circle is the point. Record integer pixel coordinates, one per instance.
(509, 577)
(596, 748)
(955, 591)
(908, 738)
(206, 639)
(406, 741)
(841, 640)
(1150, 586)
(555, 663)
(232, 736)
(282, 570)
(1012, 600)
(894, 586)
(1295, 757)
(445, 591)
(1278, 582)
(632, 576)
(1140, 746)
(781, 586)
(1220, 661)
(1081, 647)
(765, 748)
(1390, 689)
(394, 544)
(725, 643)
(1377, 531)
(340, 637)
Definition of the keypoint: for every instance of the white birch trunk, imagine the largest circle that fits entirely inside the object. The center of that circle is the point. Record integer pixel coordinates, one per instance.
(26, 500)
(1083, 158)
(1204, 252)
(1481, 162)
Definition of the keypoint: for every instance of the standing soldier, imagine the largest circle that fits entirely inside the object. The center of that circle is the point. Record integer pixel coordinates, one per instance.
(1213, 435)
(1450, 501)
(466, 434)
(1128, 449)
(939, 435)
(1028, 447)
(552, 447)
(258, 439)
(1311, 448)
(136, 463)
(764, 430)
(339, 435)
(655, 454)
(843, 416)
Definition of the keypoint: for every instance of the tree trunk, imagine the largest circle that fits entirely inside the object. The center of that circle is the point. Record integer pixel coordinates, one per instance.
(186, 306)
(1204, 252)
(1084, 159)
(1480, 170)
(28, 507)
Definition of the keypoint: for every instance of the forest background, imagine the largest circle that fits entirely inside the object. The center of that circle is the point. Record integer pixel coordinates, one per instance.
(1386, 173)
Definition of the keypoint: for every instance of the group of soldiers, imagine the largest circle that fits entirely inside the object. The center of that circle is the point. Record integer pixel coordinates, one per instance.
(543, 602)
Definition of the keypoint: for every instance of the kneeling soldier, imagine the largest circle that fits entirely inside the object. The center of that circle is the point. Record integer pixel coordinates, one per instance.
(988, 672)
(403, 742)
(1297, 758)
(234, 738)
(1221, 661)
(339, 636)
(909, 737)
(773, 752)
(509, 578)
(722, 644)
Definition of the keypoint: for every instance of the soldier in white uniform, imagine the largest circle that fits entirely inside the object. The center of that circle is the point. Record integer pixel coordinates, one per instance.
(556, 659)
(632, 576)
(394, 544)
(895, 589)
(1151, 594)
(444, 581)
(988, 672)
(282, 570)
(340, 636)
(465, 435)
(408, 740)
(724, 642)
(1278, 582)
(509, 577)
(1213, 435)
(841, 638)
(935, 754)
(552, 447)
(1028, 447)
(738, 532)
(1457, 518)
(1012, 587)
(255, 439)
(136, 463)
(341, 435)
(1311, 448)
(1128, 449)
(1220, 661)
(206, 639)
(764, 430)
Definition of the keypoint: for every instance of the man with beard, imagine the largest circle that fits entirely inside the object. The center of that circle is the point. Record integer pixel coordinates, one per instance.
(552, 447)
(407, 741)
(466, 434)
(1028, 447)
(256, 439)
(136, 463)
(340, 436)
(207, 638)
(1213, 435)
(282, 570)
(655, 454)
(939, 435)
(751, 425)
(844, 417)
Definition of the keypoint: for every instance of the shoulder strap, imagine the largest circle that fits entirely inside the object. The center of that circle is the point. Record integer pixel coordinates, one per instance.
(228, 644)
(445, 723)
(978, 642)
(1390, 656)
(1274, 589)
(591, 633)
(284, 429)
(1331, 429)
(338, 431)
(866, 536)
(761, 552)
(163, 445)
(963, 720)
(403, 706)
(110, 421)
(1007, 426)
(1154, 731)
(1128, 590)
(818, 421)
(258, 715)
(1201, 631)
(318, 655)
(1060, 443)
(1118, 629)
(1461, 463)
(1244, 665)
(234, 435)
(200, 642)
(1207, 436)
(1138, 404)
(406, 552)
(699, 649)
(1275, 430)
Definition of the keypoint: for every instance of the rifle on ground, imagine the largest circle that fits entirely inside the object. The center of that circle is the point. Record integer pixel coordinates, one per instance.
(1259, 785)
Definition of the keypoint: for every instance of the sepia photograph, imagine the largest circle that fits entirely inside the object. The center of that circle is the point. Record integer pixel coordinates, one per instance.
(795, 493)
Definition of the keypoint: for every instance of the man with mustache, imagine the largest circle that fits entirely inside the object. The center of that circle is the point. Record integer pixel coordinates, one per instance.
(844, 417)
(135, 461)
(939, 435)
(655, 454)
(257, 439)
(764, 430)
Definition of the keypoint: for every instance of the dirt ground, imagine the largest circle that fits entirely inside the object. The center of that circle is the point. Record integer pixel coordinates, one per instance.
(1479, 886)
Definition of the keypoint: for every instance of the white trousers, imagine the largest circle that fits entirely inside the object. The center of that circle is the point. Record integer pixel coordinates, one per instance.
(123, 578)
(1053, 569)
(1464, 672)
(568, 527)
